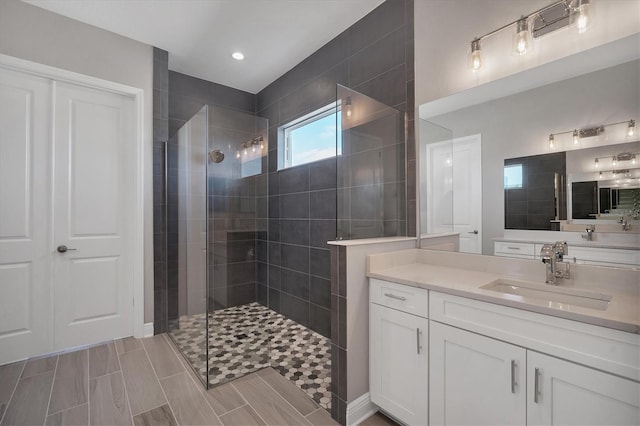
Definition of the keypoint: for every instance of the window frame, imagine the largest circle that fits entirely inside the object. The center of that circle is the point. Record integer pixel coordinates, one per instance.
(284, 133)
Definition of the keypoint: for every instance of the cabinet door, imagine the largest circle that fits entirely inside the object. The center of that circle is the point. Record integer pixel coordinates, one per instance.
(475, 380)
(398, 363)
(564, 393)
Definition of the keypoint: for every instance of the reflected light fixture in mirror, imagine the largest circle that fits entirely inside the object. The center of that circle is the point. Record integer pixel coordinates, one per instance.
(631, 129)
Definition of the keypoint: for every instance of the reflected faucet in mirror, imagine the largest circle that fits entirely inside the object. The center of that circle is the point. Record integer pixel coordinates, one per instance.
(552, 256)
(590, 230)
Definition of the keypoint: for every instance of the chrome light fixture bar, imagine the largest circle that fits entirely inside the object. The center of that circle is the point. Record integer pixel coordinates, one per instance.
(589, 132)
(542, 21)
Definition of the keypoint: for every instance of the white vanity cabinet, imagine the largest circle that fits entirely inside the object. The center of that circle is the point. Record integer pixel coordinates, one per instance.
(597, 256)
(440, 359)
(475, 380)
(398, 351)
(561, 393)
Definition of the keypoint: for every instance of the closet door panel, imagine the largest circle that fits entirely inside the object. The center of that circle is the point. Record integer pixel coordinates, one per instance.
(25, 252)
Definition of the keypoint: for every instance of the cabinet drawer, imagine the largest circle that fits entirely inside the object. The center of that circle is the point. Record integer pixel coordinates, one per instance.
(412, 300)
(596, 255)
(609, 350)
(514, 248)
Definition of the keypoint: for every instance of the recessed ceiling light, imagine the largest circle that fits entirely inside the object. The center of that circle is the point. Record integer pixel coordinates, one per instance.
(237, 56)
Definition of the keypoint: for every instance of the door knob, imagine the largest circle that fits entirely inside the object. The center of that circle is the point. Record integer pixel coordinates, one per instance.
(475, 231)
(64, 249)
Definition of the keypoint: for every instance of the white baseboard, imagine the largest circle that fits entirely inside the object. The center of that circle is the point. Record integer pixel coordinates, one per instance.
(148, 329)
(359, 409)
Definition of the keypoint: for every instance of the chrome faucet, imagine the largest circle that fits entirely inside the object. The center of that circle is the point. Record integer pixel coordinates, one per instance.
(552, 256)
(589, 235)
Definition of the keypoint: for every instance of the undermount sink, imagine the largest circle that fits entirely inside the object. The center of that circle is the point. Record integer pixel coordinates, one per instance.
(555, 297)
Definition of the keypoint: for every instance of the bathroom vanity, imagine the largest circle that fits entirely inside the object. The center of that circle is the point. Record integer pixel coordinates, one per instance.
(468, 339)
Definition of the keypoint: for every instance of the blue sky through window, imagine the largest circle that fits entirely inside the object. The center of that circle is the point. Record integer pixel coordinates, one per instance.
(513, 176)
(316, 140)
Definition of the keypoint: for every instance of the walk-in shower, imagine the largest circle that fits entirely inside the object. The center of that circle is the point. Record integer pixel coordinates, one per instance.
(232, 297)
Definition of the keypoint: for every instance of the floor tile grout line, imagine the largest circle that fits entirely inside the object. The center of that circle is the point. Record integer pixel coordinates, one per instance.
(124, 385)
(235, 409)
(105, 374)
(314, 411)
(287, 401)
(13, 391)
(53, 381)
(159, 383)
(198, 385)
(248, 403)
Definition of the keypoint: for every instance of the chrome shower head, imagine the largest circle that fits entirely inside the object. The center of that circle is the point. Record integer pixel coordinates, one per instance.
(216, 156)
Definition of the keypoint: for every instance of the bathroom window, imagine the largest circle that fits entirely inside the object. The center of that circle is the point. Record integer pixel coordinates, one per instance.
(312, 137)
(513, 176)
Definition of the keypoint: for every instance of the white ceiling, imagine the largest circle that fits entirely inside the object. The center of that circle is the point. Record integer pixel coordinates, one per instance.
(200, 35)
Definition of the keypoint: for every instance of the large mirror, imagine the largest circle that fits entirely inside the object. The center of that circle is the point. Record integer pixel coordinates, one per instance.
(531, 189)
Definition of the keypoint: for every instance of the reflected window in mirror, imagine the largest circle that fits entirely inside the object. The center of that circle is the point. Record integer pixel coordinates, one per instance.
(513, 176)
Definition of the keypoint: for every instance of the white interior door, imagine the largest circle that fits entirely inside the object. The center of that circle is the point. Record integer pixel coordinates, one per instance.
(25, 255)
(93, 215)
(467, 193)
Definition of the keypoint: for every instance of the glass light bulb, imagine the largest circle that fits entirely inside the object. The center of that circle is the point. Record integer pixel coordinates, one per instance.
(551, 141)
(633, 160)
(582, 17)
(600, 176)
(631, 130)
(476, 61)
(522, 42)
(476, 56)
(597, 164)
(614, 161)
(237, 154)
(245, 151)
(349, 111)
(253, 148)
(261, 145)
(576, 137)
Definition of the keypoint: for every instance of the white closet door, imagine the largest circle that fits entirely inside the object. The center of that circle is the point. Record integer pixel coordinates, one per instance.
(25, 255)
(94, 141)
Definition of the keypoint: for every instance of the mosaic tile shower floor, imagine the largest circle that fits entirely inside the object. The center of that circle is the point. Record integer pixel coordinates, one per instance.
(247, 338)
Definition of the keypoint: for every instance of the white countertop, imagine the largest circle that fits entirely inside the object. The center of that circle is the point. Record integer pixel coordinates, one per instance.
(439, 271)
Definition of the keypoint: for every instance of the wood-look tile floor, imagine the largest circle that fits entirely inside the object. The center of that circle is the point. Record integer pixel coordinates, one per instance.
(144, 382)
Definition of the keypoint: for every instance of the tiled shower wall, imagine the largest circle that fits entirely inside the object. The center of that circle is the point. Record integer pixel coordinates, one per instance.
(160, 136)
(374, 57)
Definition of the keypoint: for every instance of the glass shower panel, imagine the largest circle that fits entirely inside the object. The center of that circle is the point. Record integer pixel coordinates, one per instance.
(237, 206)
(187, 240)
(371, 187)
(436, 178)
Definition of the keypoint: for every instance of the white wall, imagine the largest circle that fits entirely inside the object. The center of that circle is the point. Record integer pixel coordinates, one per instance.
(519, 125)
(445, 28)
(34, 34)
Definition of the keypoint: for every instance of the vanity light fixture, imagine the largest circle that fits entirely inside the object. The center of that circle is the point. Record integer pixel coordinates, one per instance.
(589, 132)
(543, 21)
(631, 129)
